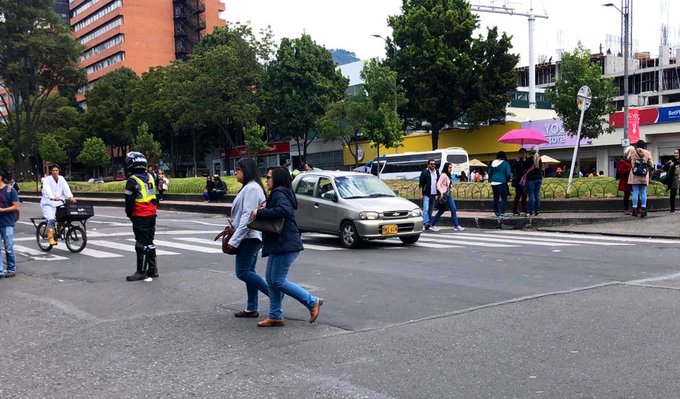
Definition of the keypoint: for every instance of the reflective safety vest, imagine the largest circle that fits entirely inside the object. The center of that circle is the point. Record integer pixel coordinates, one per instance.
(147, 192)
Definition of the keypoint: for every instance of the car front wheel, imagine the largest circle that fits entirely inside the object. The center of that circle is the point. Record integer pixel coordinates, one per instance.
(349, 235)
(410, 239)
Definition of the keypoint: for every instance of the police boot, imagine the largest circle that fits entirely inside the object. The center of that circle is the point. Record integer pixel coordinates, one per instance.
(151, 259)
(141, 267)
(50, 236)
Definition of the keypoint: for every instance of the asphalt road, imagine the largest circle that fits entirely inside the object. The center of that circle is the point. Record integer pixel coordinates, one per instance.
(477, 314)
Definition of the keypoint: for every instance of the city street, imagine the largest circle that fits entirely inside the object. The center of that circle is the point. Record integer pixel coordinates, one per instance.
(473, 314)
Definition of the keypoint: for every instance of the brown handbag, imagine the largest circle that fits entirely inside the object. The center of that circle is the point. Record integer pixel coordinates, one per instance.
(226, 236)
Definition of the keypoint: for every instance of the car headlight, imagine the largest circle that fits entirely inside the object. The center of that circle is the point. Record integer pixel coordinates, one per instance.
(369, 215)
(416, 212)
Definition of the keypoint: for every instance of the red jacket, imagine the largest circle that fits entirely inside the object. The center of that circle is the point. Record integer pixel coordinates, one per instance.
(623, 168)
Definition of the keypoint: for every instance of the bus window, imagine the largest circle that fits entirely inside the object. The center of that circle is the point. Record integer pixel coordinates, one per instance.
(457, 158)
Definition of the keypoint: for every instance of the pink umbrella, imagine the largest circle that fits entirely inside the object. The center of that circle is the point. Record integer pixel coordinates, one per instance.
(523, 136)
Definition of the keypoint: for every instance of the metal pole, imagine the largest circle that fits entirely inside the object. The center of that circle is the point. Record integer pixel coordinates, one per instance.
(532, 65)
(573, 157)
(626, 39)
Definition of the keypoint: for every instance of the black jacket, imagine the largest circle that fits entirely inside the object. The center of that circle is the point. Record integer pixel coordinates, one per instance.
(670, 174)
(281, 204)
(519, 167)
(425, 182)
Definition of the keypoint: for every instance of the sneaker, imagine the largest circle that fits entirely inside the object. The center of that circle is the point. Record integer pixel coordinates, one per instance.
(504, 215)
(434, 228)
(10, 274)
(643, 213)
(459, 228)
(672, 212)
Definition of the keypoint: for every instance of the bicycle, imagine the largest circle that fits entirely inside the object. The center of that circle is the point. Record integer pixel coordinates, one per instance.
(70, 227)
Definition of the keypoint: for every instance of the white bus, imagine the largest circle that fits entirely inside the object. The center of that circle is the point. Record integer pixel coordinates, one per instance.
(409, 165)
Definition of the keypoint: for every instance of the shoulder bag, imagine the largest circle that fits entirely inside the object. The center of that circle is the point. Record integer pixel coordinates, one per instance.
(270, 226)
(523, 180)
(226, 236)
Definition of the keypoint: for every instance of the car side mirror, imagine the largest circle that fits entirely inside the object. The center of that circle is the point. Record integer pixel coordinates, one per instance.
(330, 195)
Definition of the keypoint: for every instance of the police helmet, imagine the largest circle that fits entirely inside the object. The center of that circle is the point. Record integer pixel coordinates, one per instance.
(135, 162)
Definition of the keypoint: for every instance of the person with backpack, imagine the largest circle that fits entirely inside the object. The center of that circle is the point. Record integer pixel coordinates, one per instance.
(641, 159)
(9, 206)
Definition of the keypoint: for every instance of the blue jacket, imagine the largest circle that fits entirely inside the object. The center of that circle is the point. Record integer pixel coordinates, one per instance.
(282, 204)
(499, 172)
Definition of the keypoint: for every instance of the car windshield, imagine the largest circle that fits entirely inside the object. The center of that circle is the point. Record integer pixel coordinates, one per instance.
(364, 186)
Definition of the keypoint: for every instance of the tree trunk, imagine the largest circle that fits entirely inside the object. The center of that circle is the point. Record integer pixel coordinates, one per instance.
(435, 136)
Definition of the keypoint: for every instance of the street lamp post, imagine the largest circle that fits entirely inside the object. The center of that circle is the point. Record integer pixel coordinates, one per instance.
(626, 39)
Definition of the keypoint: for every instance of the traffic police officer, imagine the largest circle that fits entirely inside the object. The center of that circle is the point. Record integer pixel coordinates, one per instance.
(140, 207)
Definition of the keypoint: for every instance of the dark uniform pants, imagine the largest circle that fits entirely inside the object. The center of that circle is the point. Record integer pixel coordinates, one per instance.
(144, 228)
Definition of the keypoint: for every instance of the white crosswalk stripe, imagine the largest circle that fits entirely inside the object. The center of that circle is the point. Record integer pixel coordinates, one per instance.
(90, 252)
(557, 236)
(125, 247)
(453, 239)
(189, 247)
(36, 253)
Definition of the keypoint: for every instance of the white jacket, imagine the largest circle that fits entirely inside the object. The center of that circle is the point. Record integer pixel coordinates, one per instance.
(52, 189)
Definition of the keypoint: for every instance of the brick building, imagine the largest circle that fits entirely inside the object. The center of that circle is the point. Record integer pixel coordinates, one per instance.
(139, 34)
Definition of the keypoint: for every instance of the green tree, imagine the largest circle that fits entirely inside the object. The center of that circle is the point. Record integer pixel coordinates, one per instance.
(383, 125)
(344, 121)
(447, 74)
(109, 104)
(263, 45)
(576, 70)
(94, 153)
(145, 143)
(300, 83)
(253, 140)
(50, 149)
(6, 159)
(38, 54)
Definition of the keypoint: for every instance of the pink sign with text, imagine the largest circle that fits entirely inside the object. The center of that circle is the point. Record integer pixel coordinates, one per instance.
(554, 132)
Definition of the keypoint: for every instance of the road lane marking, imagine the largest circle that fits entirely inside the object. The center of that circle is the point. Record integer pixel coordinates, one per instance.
(169, 232)
(322, 247)
(200, 240)
(515, 241)
(189, 247)
(467, 243)
(541, 239)
(125, 247)
(91, 252)
(432, 245)
(36, 253)
(595, 236)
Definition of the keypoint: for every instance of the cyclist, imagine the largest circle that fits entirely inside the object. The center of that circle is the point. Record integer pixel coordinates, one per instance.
(140, 207)
(54, 192)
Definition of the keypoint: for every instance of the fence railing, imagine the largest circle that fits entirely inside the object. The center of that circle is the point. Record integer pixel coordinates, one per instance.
(551, 188)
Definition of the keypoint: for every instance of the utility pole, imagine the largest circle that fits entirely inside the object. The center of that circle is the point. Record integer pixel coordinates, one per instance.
(532, 19)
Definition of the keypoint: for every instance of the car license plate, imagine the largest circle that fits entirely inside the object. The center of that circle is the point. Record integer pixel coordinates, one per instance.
(389, 229)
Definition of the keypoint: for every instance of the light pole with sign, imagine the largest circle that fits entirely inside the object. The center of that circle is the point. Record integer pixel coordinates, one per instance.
(583, 99)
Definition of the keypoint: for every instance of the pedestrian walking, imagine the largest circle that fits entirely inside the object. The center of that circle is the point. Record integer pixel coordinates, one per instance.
(623, 168)
(162, 182)
(427, 183)
(140, 206)
(499, 174)
(248, 241)
(519, 168)
(282, 249)
(9, 207)
(672, 169)
(642, 163)
(534, 178)
(446, 199)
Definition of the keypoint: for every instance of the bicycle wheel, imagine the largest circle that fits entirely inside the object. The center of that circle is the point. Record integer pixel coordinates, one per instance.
(76, 239)
(41, 237)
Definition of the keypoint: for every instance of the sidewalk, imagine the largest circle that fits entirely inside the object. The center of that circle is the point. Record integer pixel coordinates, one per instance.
(658, 224)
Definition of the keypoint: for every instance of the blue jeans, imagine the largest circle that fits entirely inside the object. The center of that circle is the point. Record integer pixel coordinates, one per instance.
(246, 261)
(533, 190)
(278, 266)
(500, 198)
(641, 190)
(428, 204)
(7, 237)
(452, 208)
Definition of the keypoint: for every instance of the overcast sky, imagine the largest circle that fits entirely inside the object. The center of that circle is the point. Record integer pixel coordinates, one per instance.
(349, 24)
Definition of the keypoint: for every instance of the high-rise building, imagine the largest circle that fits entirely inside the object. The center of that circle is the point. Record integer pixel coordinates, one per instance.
(61, 8)
(139, 34)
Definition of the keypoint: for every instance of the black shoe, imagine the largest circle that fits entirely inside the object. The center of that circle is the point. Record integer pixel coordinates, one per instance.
(535, 213)
(634, 214)
(643, 214)
(10, 274)
(245, 313)
(426, 226)
(137, 277)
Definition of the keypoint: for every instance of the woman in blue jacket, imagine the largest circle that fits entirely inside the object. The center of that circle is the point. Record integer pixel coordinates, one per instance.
(499, 174)
(282, 249)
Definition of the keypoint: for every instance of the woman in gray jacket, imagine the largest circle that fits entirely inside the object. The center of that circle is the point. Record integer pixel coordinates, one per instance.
(249, 242)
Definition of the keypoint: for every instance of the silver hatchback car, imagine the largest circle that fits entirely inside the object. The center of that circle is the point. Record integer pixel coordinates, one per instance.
(355, 206)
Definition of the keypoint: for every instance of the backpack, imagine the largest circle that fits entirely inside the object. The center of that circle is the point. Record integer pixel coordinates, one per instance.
(6, 198)
(640, 167)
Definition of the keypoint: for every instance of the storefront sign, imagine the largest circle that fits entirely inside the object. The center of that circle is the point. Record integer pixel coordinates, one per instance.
(554, 132)
(649, 116)
(272, 148)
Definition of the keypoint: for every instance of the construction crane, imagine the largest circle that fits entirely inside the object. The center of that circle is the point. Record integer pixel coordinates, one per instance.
(509, 10)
